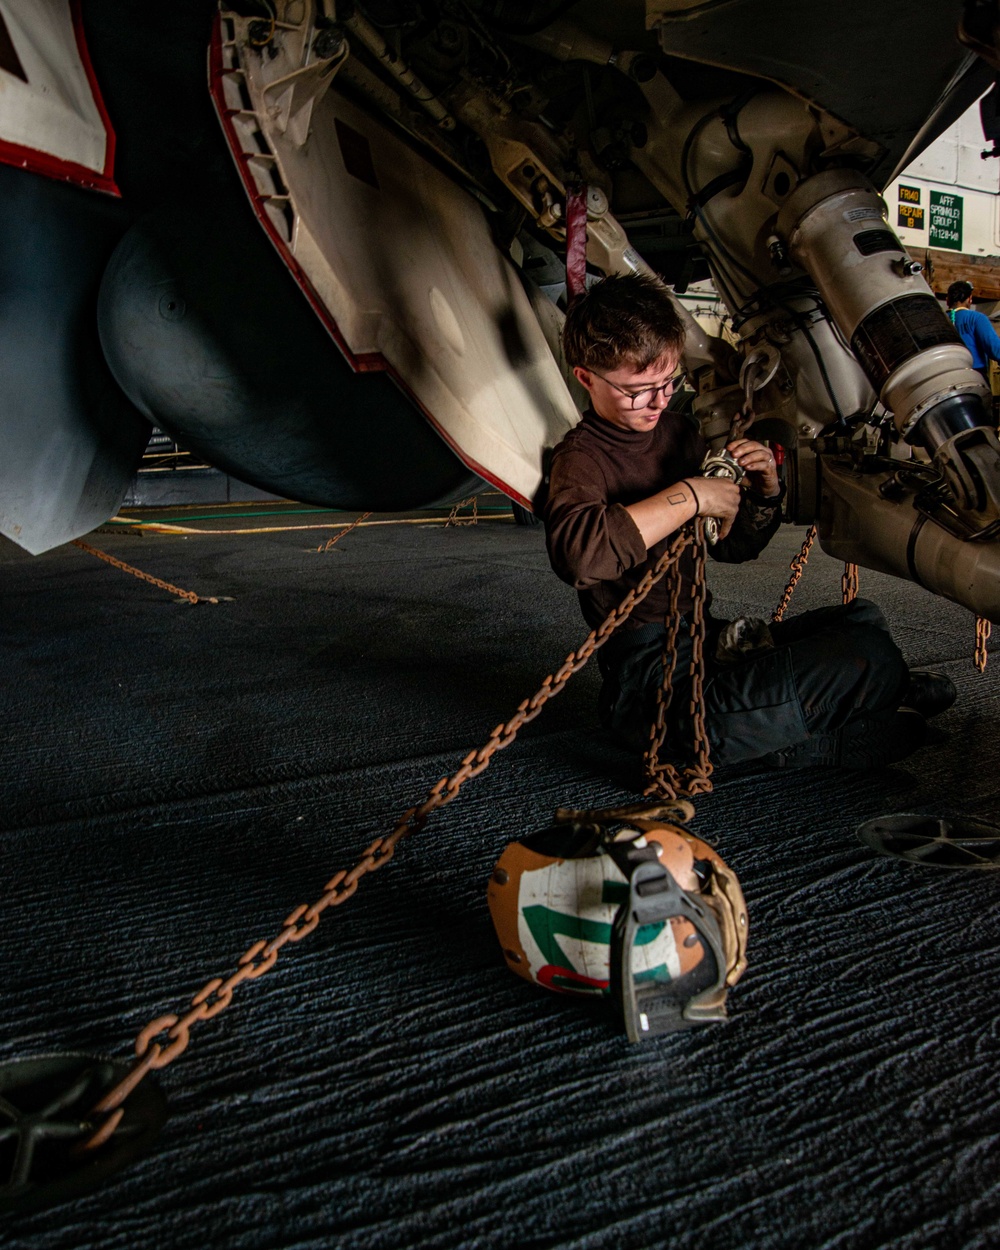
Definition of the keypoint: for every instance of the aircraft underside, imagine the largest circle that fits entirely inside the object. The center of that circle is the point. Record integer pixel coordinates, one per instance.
(325, 269)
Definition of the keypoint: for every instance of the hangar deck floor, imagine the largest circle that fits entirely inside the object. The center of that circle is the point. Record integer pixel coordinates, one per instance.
(175, 779)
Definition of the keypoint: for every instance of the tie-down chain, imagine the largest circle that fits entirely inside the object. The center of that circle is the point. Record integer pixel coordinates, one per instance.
(165, 1038)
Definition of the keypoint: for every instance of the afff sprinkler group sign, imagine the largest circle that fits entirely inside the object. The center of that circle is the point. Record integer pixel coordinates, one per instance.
(945, 221)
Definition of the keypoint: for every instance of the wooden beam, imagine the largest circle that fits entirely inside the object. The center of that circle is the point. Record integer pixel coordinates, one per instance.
(942, 268)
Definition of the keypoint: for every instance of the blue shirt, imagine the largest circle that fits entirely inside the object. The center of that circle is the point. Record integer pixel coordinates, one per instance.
(978, 335)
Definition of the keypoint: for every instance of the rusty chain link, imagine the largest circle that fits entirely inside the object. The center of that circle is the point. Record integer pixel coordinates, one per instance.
(849, 583)
(189, 595)
(983, 630)
(797, 564)
(453, 518)
(662, 777)
(323, 548)
(165, 1038)
(700, 773)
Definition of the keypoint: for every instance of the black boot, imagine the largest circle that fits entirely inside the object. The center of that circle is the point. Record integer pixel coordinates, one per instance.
(929, 693)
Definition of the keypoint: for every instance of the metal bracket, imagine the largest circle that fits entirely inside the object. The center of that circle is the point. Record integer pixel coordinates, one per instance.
(651, 1008)
(290, 100)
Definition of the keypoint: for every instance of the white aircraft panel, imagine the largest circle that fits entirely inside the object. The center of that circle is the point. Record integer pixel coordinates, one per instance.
(52, 118)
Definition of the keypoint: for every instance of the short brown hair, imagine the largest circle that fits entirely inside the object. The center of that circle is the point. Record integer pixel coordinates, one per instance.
(627, 320)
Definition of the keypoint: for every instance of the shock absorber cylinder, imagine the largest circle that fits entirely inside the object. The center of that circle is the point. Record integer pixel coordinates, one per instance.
(836, 230)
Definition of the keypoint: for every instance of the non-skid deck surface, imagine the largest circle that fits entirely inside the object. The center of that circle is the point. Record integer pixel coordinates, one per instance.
(176, 779)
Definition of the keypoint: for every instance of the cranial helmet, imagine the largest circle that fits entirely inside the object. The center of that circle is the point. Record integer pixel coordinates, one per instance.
(625, 903)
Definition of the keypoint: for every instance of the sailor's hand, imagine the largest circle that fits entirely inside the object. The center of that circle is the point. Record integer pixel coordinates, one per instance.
(718, 497)
(758, 461)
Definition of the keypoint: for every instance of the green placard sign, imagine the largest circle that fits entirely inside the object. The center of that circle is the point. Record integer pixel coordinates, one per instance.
(945, 221)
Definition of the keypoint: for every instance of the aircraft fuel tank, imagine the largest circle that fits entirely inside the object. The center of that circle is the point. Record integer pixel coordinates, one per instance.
(207, 334)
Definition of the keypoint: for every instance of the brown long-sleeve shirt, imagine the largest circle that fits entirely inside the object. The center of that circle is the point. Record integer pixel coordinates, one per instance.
(594, 545)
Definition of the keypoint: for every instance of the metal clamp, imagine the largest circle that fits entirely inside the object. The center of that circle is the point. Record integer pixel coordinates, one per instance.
(720, 464)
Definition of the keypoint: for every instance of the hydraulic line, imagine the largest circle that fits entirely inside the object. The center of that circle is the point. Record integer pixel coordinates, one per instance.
(387, 58)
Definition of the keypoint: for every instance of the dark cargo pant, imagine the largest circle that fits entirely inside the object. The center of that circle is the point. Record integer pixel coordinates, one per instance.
(826, 668)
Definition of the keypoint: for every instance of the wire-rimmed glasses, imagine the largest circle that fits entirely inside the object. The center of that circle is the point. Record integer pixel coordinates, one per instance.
(645, 397)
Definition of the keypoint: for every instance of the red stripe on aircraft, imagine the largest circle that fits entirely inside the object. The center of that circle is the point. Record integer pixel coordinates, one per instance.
(107, 177)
